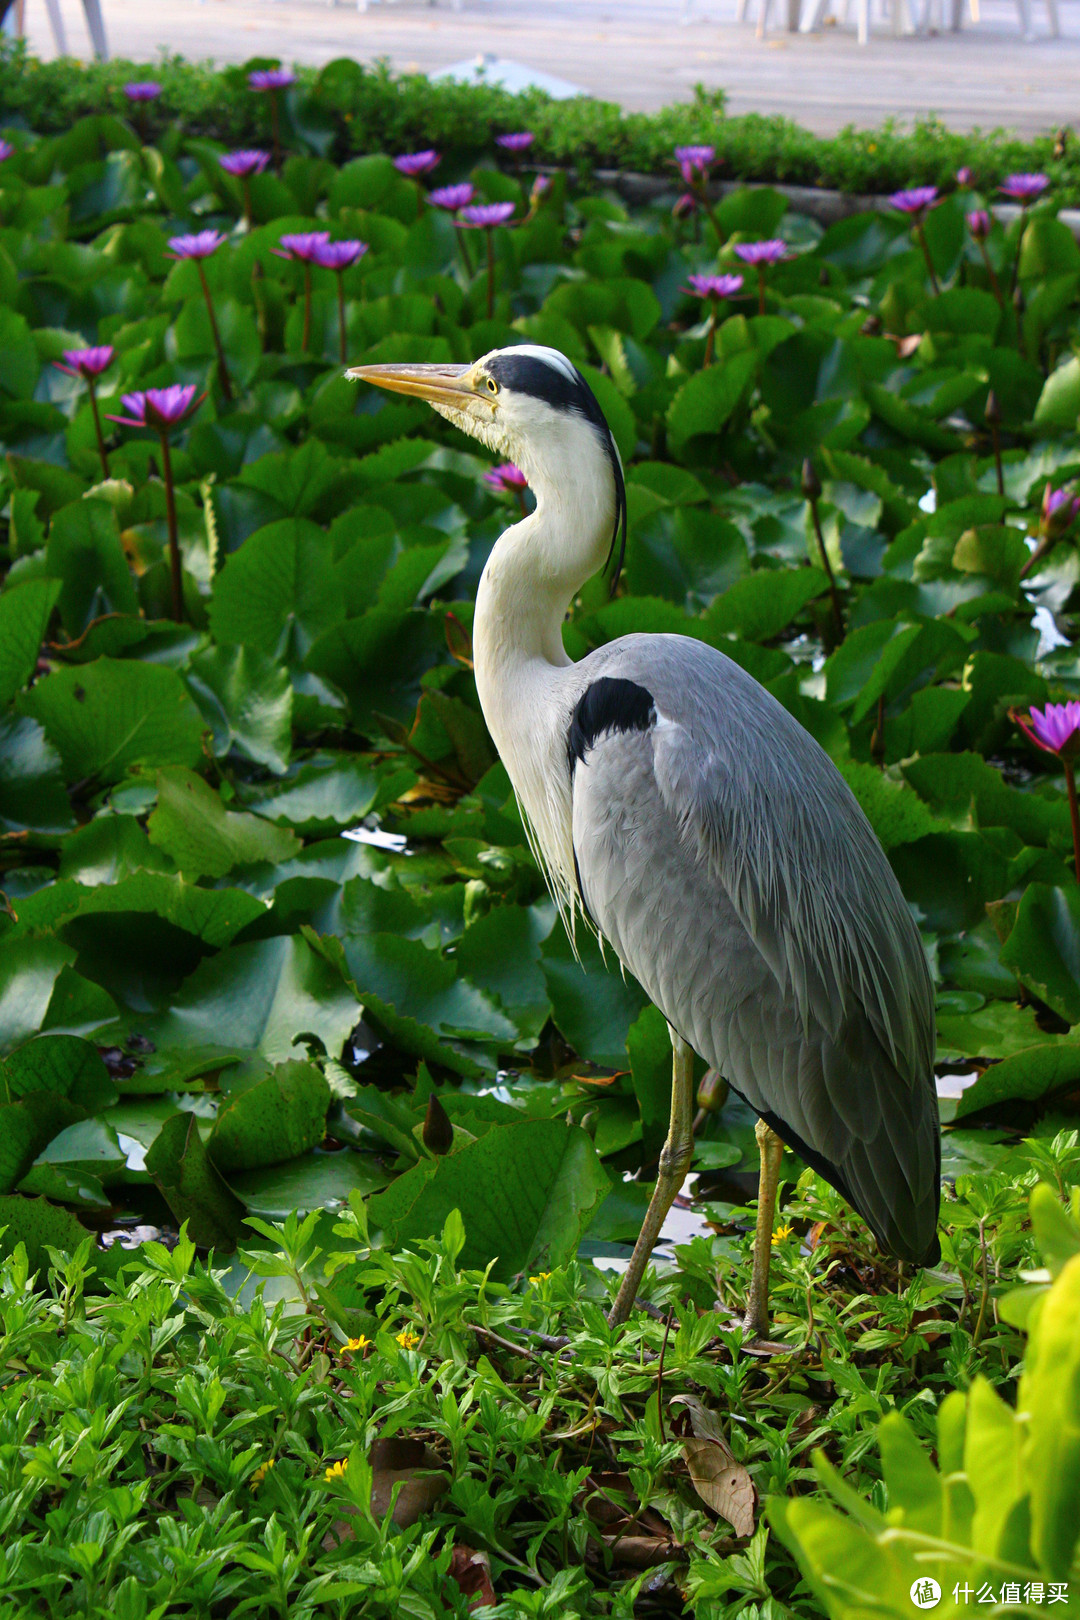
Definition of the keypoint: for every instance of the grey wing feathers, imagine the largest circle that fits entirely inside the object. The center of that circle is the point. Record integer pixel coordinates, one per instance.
(730, 866)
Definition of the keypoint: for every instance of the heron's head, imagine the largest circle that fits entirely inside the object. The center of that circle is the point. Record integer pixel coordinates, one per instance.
(532, 406)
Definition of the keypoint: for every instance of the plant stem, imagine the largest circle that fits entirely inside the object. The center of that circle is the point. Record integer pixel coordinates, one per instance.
(466, 256)
(838, 612)
(761, 289)
(97, 426)
(249, 218)
(275, 131)
(996, 437)
(1019, 245)
(176, 574)
(921, 237)
(1074, 816)
(223, 369)
(995, 285)
(710, 337)
(341, 313)
(491, 272)
(877, 739)
(307, 308)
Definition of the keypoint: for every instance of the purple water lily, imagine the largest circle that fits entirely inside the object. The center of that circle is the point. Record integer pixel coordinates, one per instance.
(1024, 188)
(978, 223)
(483, 216)
(540, 185)
(301, 245)
(713, 289)
(505, 478)
(760, 255)
(1059, 508)
(1057, 731)
(520, 141)
(725, 286)
(756, 253)
(159, 407)
(916, 201)
(453, 197)
(202, 245)
(164, 409)
(338, 256)
(278, 78)
(964, 177)
(698, 159)
(142, 90)
(241, 165)
(6, 151)
(416, 163)
(271, 81)
(915, 204)
(89, 364)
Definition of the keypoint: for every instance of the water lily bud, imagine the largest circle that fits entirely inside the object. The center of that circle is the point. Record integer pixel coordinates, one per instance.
(712, 1092)
(811, 483)
(993, 409)
(477, 901)
(438, 1131)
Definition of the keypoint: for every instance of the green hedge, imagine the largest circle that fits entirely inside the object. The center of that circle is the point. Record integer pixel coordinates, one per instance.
(346, 108)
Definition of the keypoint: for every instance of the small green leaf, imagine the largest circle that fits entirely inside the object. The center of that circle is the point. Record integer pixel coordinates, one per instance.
(279, 1119)
(24, 617)
(109, 715)
(526, 1193)
(191, 1187)
(204, 839)
(1043, 948)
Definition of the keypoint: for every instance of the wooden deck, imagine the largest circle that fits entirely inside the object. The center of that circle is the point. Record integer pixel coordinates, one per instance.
(636, 52)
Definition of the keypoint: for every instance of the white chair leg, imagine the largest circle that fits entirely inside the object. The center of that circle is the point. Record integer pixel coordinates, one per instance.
(1052, 20)
(56, 23)
(1023, 8)
(96, 25)
(862, 16)
(764, 8)
(812, 13)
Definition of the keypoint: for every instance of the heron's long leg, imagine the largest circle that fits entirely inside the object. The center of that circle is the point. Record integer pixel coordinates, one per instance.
(771, 1149)
(674, 1163)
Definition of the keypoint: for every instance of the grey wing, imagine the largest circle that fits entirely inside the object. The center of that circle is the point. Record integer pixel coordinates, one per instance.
(725, 859)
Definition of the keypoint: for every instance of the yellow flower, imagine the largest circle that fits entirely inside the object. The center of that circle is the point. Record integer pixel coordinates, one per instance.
(360, 1344)
(781, 1233)
(336, 1471)
(541, 1276)
(407, 1340)
(261, 1472)
(872, 146)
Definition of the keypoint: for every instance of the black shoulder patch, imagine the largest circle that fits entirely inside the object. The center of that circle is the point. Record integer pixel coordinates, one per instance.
(609, 704)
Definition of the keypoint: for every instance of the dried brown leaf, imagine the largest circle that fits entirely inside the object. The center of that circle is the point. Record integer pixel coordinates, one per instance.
(722, 1483)
(472, 1572)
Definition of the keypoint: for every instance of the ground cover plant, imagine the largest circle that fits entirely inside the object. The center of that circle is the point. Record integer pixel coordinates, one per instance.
(348, 108)
(368, 1072)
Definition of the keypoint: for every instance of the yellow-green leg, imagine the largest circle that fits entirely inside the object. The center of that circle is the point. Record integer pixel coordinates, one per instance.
(771, 1149)
(674, 1163)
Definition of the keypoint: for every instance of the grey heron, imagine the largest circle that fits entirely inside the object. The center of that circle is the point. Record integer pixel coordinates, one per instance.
(703, 833)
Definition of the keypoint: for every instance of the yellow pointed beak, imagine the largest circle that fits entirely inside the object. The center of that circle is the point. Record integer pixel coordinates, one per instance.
(438, 384)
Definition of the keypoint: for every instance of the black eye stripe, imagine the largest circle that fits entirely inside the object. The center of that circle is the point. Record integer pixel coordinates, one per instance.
(566, 390)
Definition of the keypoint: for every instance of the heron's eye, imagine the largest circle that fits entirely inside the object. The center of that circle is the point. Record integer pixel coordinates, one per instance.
(493, 387)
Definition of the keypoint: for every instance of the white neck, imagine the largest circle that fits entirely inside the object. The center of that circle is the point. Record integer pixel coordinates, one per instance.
(532, 575)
